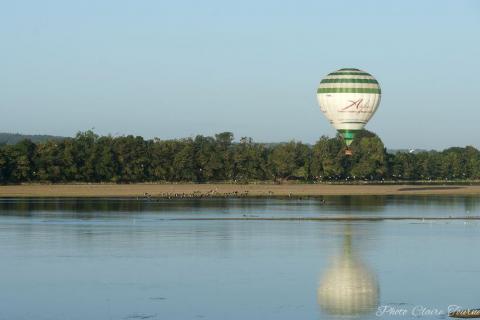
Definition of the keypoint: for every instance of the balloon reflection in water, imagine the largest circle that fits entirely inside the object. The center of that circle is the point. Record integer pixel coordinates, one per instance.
(348, 287)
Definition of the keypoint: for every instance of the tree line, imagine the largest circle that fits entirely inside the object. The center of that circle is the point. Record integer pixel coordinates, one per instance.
(126, 159)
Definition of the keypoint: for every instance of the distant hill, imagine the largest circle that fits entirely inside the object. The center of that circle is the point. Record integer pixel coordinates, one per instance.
(13, 138)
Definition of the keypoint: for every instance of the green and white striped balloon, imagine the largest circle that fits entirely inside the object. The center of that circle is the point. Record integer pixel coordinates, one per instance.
(349, 98)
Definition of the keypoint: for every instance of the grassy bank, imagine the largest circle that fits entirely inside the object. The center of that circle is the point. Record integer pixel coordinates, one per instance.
(227, 190)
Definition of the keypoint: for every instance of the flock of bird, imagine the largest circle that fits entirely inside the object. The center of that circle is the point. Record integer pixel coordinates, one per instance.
(199, 195)
(214, 194)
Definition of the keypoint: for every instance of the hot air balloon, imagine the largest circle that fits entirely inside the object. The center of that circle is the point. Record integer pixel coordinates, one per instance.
(348, 98)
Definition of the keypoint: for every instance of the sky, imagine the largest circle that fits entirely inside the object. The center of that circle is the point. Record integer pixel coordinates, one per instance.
(173, 69)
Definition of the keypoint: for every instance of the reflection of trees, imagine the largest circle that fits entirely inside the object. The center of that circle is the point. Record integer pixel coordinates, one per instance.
(92, 205)
(348, 287)
(358, 203)
(469, 202)
(382, 203)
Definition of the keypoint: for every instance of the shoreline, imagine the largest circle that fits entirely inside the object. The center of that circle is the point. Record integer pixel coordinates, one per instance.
(198, 191)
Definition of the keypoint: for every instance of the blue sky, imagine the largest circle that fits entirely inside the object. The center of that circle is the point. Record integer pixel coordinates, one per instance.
(180, 68)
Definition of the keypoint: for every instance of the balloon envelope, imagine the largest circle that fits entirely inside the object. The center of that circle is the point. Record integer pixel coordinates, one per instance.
(348, 98)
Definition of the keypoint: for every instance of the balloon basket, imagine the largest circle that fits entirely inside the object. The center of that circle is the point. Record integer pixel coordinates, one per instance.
(348, 152)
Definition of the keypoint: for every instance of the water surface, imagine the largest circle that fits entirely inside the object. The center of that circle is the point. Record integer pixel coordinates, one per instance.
(134, 259)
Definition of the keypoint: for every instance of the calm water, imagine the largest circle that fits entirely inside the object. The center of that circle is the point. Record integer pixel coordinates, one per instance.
(135, 259)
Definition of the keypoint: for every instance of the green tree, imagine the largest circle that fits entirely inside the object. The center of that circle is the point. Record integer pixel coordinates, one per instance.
(105, 162)
(208, 160)
(224, 154)
(289, 160)
(403, 166)
(4, 178)
(184, 167)
(369, 158)
(88, 157)
(49, 164)
(133, 159)
(328, 159)
(249, 161)
(22, 157)
(472, 162)
(163, 155)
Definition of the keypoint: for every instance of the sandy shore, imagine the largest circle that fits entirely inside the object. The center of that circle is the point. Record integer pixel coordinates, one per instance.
(231, 190)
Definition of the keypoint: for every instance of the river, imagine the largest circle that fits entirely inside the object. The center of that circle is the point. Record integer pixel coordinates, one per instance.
(239, 258)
